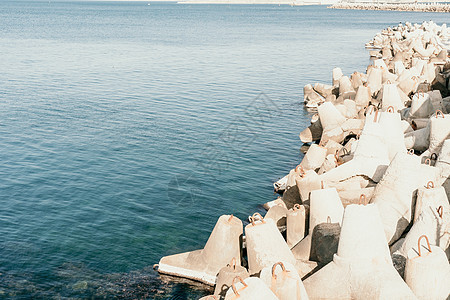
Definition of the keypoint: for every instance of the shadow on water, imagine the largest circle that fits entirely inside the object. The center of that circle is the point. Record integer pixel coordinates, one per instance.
(76, 280)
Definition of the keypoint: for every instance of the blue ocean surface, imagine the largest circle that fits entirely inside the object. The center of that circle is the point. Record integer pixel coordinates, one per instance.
(127, 129)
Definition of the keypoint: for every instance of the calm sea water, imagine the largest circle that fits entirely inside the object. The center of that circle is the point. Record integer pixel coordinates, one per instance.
(126, 130)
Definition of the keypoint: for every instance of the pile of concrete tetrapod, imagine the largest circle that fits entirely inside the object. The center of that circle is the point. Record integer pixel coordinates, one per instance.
(366, 213)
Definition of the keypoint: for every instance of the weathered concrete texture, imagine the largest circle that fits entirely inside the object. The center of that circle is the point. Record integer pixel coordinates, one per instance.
(324, 242)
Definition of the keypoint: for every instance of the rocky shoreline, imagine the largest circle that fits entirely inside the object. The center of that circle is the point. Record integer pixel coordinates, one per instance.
(419, 7)
(366, 213)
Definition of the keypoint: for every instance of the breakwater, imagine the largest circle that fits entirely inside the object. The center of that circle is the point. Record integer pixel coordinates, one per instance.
(419, 7)
(366, 213)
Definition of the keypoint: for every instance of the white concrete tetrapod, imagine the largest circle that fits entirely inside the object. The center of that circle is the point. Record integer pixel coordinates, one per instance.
(430, 196)
(336, 75)
(436, 100)
(353, 196)
(386, 53)
(332, 147)
(278, 201)
(432, 222)
(394, 194)
(406, 126)
(293, 174)
(351, 110)
(441, 58)
(323, 89)
(409, 84)
(265, 244)
(389, 77)
(249, 289)
(312, 133)
(203, 265)
(391, 97)
(346, 89)
(443, 166)
(311, 97)
(356, 80)
(374, 80)
(362, 267)
(314, 157)
(419, 64)
(363, 97)
(418, 140)
(379, 63)
(325, 206)
(427, 271)
(278, 214)
(296, 224)
(352, 126)
(226, 276)
(284, 281)
(405, 99)
(429, 72)
(399, 67)
(331, 120)
(330, 162)
(391, 123)
(421, 106)
(439, 131)
(370, 157)
(306, 183)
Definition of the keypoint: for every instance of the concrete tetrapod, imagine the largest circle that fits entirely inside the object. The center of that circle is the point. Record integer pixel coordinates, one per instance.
(439, 132)
(427, 272)
(312, 133)
(314, 157)
(356, 80)
(418, 140)
(421, 106)
(394, 193)
(203, 265)
(391, 97)
(391, 123)
(323, 89)
(226, 276)
(436, 100)
(362, 267)
(432, 222)
(296, 225)
(374, 80)
(345, 88)
(265, 244)
(311, 98)
(307, 182)
(286, 285)
(336, 75)
(363, 97)
(325, 206)
(443, 166)
(249, 289)
(370, 157)
(409, 84)
(331, 162)
(331, 120)
(278, 214)
(430, 196)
